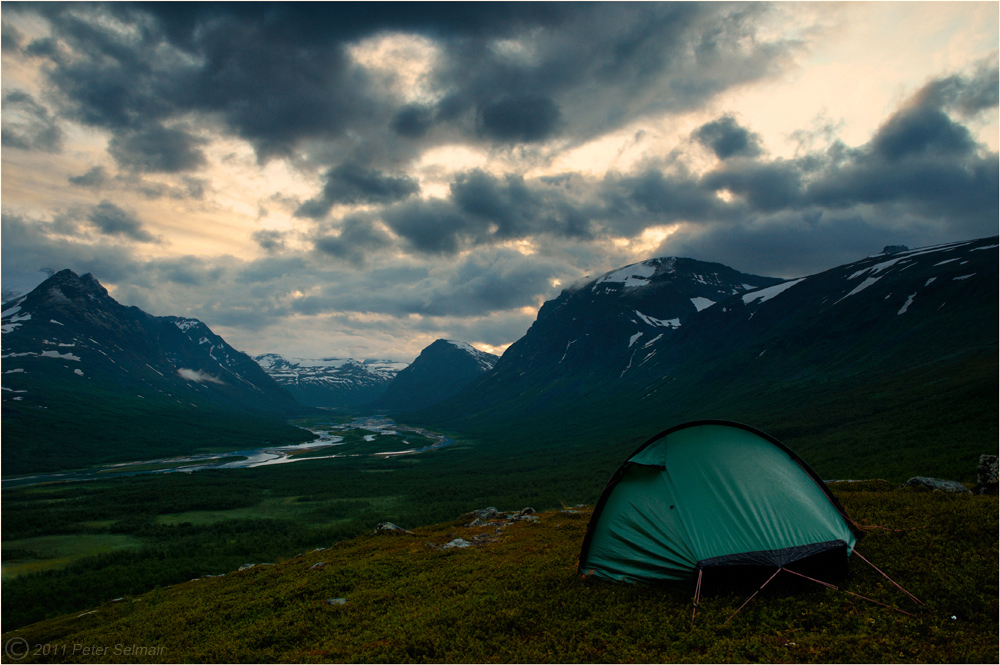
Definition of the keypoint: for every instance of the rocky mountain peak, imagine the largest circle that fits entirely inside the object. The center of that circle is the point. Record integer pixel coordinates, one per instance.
(67, 288)
(441, 370)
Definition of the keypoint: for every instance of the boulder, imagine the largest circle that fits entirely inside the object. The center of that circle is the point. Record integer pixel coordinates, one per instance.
(485, 513)
(937, 484)
(336, 601)
(389, 528)
(479, 522)
(458, 542)
(986, 475)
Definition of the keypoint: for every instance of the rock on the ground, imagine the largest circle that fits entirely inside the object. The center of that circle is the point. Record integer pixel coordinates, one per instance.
(937, 484)
(389, 527)
(485, 513)
(458, 542)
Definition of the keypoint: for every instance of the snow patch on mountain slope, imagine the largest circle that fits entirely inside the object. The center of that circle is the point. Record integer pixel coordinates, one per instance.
(637, 274)
(770, 292)
(909, 301)
(861, 287)
(468, 348)
(44, 354)
(702, 303)
(486, 361)
(658, 323)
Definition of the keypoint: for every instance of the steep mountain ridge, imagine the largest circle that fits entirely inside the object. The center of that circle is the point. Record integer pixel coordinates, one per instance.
(903, 344)
(331, 382)
(440, 371)
(598, 325)
(599, 330)
(73, 355)
(130, 347)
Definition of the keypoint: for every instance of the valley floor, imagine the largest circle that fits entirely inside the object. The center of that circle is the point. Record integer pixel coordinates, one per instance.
(514, 595)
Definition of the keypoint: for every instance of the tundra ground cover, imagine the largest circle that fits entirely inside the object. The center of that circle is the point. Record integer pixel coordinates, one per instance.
(514, 596)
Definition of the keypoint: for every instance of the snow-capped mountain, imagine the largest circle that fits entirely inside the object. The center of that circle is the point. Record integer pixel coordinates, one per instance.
(605, 326)
(71, 320)
(72, 354)
(904, 341)
(441, 370)
(331, 382)
(896, 309)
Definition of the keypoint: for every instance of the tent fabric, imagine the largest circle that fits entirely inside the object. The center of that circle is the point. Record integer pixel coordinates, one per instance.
(708, 494)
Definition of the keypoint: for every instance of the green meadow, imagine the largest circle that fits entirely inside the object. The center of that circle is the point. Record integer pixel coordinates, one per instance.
(31, 555)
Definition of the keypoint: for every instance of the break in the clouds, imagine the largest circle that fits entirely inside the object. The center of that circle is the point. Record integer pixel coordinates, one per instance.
(358, 179)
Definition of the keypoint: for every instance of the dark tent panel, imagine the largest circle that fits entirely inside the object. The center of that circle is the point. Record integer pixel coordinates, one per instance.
(712, 495)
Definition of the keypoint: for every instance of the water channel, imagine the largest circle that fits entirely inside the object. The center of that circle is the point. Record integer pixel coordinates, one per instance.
(254, 457)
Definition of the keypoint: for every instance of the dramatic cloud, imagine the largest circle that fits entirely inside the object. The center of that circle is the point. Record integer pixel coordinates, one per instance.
(271, 241)
(11, 38)
(522, 119)
(94, 178)
(351, 184)
(727, 139)
(328, 179)
(111, 220)
(157, 149)
(28, 125)
(357, 237)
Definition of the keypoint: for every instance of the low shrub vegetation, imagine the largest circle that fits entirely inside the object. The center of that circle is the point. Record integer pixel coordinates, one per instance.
(515, 596)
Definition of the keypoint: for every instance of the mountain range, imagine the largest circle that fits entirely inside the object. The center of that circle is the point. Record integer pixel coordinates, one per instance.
(439, 372)
(331, 382)
(889, 359)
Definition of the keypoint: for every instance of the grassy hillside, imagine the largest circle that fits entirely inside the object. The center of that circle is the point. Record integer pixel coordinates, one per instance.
(514, 596)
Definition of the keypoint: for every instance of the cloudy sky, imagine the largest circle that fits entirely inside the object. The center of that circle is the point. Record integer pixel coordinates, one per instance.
(357, 180)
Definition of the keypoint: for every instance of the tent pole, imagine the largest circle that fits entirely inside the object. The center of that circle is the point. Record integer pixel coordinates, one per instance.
(754, 594)
(697, 596)
(917, 600)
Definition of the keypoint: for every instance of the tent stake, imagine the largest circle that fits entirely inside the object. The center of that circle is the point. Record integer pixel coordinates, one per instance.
(917, 600)
(754, 594)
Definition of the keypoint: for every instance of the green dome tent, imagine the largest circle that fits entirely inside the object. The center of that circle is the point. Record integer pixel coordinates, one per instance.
(709, 496)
